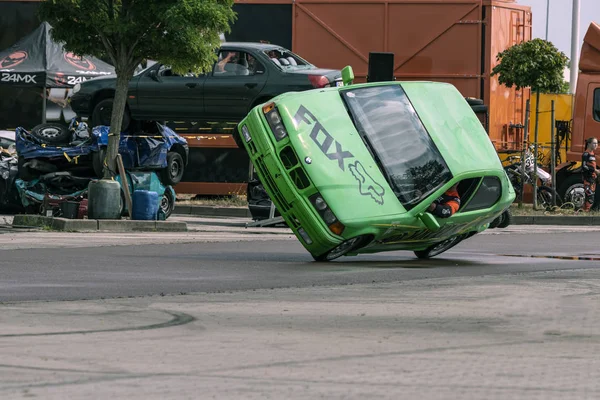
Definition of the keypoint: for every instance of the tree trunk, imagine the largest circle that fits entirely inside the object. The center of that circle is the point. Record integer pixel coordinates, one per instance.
(116, 122)
(535, 151)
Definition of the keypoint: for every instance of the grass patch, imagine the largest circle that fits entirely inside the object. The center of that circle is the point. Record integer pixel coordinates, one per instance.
(232, 200)
(527, 210)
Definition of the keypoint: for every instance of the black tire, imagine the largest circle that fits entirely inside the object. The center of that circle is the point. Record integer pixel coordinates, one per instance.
(103, 112)
(343, 248)
(52, 133)
(571, 191)
(25, 173)
(439, 247)
(98, 161)
(167, 203)
(237, 137)
(496, 221)
(173, 172)
(544, 197)
(506, 220)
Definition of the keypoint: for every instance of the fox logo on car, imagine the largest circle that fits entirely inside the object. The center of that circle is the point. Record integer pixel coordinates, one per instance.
(318, 131)
(366, 185)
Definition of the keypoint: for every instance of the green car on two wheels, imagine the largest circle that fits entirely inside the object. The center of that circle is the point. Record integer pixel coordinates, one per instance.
(352, 169)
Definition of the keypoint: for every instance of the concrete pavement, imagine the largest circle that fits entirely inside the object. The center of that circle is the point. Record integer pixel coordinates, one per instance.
(514, 336)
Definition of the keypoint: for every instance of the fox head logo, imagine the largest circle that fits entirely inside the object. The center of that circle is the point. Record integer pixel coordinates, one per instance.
(13, 59)
(79, 62)
(366, 185)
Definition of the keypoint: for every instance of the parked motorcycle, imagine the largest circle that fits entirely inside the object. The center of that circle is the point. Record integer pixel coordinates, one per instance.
(544, 189)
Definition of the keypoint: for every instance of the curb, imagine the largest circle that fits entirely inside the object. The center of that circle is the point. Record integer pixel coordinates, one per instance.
(211, 211)
(113, 225)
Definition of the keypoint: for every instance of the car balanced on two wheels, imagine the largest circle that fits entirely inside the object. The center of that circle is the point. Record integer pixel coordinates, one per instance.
(353, 169)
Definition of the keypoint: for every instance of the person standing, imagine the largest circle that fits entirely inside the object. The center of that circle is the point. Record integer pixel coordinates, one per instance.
(589, 172)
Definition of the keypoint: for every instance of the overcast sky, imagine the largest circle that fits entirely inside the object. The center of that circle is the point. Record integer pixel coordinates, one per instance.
(559, 26)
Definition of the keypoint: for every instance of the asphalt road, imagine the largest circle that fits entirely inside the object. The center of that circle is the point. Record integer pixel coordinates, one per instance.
(509, 314)
(223, 259)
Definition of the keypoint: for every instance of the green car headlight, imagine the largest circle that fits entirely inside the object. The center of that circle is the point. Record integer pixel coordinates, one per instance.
(320, 203)
(326, 214)
(246, 133)
(274, 120)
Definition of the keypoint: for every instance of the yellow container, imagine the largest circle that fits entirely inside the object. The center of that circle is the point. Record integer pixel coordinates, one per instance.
(563, 106)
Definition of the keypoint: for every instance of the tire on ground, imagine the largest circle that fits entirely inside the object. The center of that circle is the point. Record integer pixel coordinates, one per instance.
(439, 247)
(344, 248)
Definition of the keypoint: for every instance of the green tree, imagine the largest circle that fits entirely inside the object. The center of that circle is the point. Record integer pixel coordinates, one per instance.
(180, 33)
(536, 64)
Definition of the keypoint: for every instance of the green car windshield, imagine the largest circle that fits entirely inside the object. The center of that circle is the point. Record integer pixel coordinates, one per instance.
(398, 141)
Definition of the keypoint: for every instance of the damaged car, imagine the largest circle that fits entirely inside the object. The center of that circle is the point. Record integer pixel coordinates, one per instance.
(52, 148)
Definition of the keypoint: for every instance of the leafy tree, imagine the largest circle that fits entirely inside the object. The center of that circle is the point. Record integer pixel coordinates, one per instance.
(535, 63)
(181, 33)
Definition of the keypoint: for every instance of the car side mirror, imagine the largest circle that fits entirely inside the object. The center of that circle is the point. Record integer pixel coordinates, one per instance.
(153, 75)
(347, 75)
(429, 221)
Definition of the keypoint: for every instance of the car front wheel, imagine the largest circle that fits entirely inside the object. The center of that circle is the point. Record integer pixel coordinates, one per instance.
(343, 248)
(173, 172)
(440, 247)
(102, 114)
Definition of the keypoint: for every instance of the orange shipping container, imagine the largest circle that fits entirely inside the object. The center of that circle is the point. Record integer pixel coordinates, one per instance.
(453, 41)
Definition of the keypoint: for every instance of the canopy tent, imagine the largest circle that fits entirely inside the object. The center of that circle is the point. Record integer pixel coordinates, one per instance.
(38, 61)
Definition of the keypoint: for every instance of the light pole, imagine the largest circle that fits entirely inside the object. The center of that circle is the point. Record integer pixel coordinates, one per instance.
(547, 17)
(574, 47)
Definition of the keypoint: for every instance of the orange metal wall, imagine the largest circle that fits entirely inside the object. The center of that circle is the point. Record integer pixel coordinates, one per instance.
(507, 25)
(453, 41)
(431, 40)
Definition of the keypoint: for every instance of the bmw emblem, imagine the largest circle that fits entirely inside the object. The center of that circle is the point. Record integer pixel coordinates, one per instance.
(308, 160)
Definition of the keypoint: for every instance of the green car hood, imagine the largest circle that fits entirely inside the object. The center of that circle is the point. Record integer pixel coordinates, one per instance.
(335, 157)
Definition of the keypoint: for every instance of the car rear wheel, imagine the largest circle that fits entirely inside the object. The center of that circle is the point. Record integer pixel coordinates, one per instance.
(167, 203)
(506, 220)
(343, 248)
(440, 247)
(173, 172)
(51, 133)
(102, 114)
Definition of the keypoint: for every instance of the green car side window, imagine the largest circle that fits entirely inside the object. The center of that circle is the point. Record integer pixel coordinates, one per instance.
(487, 194)
(393, 132)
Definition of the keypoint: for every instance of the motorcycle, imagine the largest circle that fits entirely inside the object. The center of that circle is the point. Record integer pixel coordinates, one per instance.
(545, 192)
